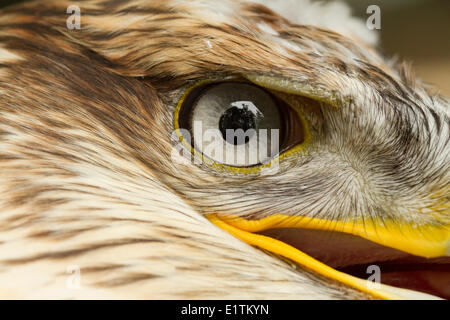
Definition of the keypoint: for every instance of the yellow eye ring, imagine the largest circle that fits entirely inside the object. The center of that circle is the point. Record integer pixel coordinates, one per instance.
(293, 151)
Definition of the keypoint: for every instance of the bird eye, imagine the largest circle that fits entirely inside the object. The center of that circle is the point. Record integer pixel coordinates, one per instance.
(238, 124)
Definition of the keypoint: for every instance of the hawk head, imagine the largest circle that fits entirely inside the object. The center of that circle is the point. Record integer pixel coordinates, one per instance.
(161, 145)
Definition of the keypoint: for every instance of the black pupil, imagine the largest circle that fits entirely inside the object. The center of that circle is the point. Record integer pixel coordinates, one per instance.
(237, 118)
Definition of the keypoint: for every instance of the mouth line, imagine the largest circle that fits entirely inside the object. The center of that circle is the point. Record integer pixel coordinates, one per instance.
(411, 265)
(361, 258)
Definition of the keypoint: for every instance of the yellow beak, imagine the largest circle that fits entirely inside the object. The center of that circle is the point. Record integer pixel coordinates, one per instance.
(426, 241)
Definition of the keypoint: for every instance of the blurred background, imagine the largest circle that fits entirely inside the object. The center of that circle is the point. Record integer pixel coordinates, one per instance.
(414, 30)
(417, 31)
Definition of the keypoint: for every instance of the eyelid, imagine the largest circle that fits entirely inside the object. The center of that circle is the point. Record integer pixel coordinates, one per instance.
(329, 97)
(293, 150)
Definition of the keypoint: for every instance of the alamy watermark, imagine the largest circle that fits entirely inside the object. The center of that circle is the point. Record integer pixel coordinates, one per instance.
(374, 20)
(74, 20)
(234, 147)
(73, 282)
(374, 280)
